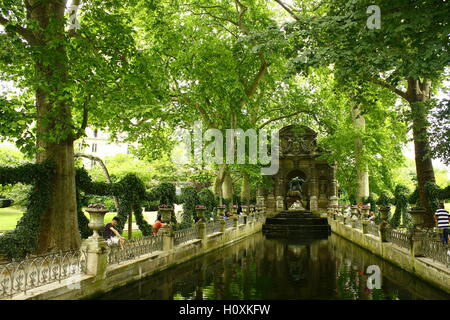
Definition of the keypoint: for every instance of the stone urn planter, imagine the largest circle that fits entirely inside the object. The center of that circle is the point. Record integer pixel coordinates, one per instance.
(365, 212)
(200, 211)
(353, 221)
(166, 213)
(221, 211)
(234, 209)
(96, 220)
(355, 211)
(417, 216)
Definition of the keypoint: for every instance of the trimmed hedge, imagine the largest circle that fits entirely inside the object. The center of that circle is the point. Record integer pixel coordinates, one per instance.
(130, 191)
(23, 240)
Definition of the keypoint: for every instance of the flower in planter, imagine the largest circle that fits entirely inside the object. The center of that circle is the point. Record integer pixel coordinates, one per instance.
(234, 206)
(97, 206)
(221, 207)
(199, 206)
(165, 206)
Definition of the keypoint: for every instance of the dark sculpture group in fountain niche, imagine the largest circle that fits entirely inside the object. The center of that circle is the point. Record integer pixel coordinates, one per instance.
(295, 192)
(302, 178)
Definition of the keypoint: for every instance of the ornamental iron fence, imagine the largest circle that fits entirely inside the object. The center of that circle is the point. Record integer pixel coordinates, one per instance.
(399, 238)
(185, 235)
(20, 276)
(134, 248)
(436, 250)
(373, 229)
(213, 227)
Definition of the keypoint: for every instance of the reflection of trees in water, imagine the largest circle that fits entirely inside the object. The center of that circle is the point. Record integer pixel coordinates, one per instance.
(297, 261)
(351, 278)
(271, 269)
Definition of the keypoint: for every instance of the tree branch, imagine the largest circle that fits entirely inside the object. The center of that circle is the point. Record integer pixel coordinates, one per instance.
(388, 86)
(24, 32)
(285, 7)
(84, 124)
(288, 116)
(105, 170)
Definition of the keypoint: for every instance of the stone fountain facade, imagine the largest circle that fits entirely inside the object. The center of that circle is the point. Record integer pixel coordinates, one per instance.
(299, 155)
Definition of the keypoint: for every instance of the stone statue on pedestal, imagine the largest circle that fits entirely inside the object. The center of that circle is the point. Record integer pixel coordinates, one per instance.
(295, 186)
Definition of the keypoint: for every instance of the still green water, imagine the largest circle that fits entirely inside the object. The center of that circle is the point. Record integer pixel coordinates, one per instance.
(259, 268)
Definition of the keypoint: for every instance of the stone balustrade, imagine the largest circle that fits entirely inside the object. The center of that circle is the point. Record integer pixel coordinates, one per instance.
(97, 268)
(415, 250)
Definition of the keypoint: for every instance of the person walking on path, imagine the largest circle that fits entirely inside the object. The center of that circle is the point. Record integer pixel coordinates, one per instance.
(442, 219)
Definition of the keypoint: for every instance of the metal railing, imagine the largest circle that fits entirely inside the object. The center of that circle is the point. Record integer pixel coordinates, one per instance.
(21, 276)
(436, 250)
(373, 229)
(134, 248)
(399, 238)
(229, 223)
(213, 227)
(185, 235)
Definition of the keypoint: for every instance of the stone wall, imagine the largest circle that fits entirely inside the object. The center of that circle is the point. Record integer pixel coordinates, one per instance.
(424, 268)
(108, 277)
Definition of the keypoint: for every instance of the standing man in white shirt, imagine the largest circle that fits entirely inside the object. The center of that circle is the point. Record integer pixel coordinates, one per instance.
(442, 219)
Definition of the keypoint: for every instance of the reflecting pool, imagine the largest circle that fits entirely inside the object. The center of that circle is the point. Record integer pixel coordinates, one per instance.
(259, 268)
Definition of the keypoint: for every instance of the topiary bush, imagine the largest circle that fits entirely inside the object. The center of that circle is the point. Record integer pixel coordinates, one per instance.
(166, 193)
(207, 198)
(18, 243)
(189, 198)
(401, 197)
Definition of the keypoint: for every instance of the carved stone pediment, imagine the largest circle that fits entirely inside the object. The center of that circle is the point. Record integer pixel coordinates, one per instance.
(297, 140)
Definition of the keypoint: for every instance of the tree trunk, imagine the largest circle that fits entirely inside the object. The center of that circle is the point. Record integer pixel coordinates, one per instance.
(417, 95)
(227, 187)
(362, 171)
(218, 183)
(245, 191)
(59, 223)
(58, 228)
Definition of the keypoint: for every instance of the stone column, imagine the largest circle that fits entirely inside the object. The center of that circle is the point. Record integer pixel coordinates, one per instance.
(235, 221)
(417, 236)
(222, 225)
(271, 204)
(312, 185)
(167, 234)
(313, 204)
(97, 251)
(364, 223)
(201, 231)
(260, 196)
(280, 203)
(95, 246)
(333, 187)
(333, 201)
